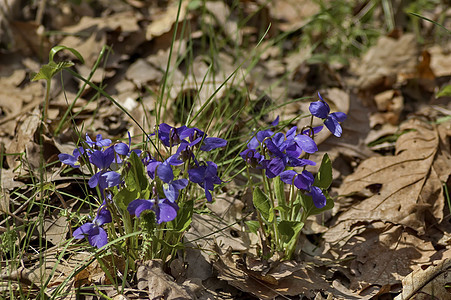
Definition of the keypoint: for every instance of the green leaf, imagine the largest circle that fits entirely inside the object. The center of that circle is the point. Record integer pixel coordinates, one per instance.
(56, 49)
(444, 92)
(279, 189)
(262, 204)
(324, 177)
(253, 226)
(184, 217)
(138, 180)
(309, 206)
(49, 70)
(290, 231)
(433, 22)
(124, 197)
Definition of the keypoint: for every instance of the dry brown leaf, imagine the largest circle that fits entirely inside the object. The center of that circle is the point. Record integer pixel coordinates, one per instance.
(23, 136)
(381, 254)
(152, 278)
(90, 33)
(292, 14)
(221, 12)
(55, 229)
(384, 63)
(428, 282)
(390, 104)
(141, 72)
(29, 38)
(402, 189)
(164, 20)
(441, 59)
(15, 100)
(287, 278)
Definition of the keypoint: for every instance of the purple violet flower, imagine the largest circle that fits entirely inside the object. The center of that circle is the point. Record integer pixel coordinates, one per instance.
(304, 181)
(95, 234)
(206, 176)
(321, 109)
(100, 142)
(252, 157)
(71, 160)
(171, 136)
(164, 209)
(171, 187)
(103, 178)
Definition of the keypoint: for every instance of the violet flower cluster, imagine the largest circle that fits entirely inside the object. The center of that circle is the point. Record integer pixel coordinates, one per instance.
(278, 153)
(169, 175)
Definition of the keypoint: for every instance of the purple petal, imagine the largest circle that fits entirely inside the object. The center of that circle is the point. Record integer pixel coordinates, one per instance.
(180, 184)
(272, 147)
(306, 143)
(302, 182)
(103, 217)
(94, 180)
(208, 194)
(339, 116)
(173, 160)
(275, 122)
(212, 169)
(316, 130)
(163, 133)
(102, 142)
(253, 143)
(83, 231)
(211, 143)
(307, 178)
(102, 159)
(319, 109)
(195, 133)
(121, 148)
(278, 139)
(171, 193)
(287, 176)
(291, 132)
(89, 141)
(136, 207)
(274, 168)
(318, 197)
(111, 178)
(166, 211)
(261, 135)
(197, 175)
(164, 172)
(151, 167)
(333, 126)
(68, 159)
(99, 238)
(293, 151)
(307, 162)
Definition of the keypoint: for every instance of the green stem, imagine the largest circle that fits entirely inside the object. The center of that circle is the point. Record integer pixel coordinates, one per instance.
(47, 99)
(268, 191)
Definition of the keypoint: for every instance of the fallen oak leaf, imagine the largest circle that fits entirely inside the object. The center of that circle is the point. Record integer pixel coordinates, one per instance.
(409, 186)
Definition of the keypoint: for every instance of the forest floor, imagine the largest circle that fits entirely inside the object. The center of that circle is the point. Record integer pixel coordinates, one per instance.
(245, 63)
